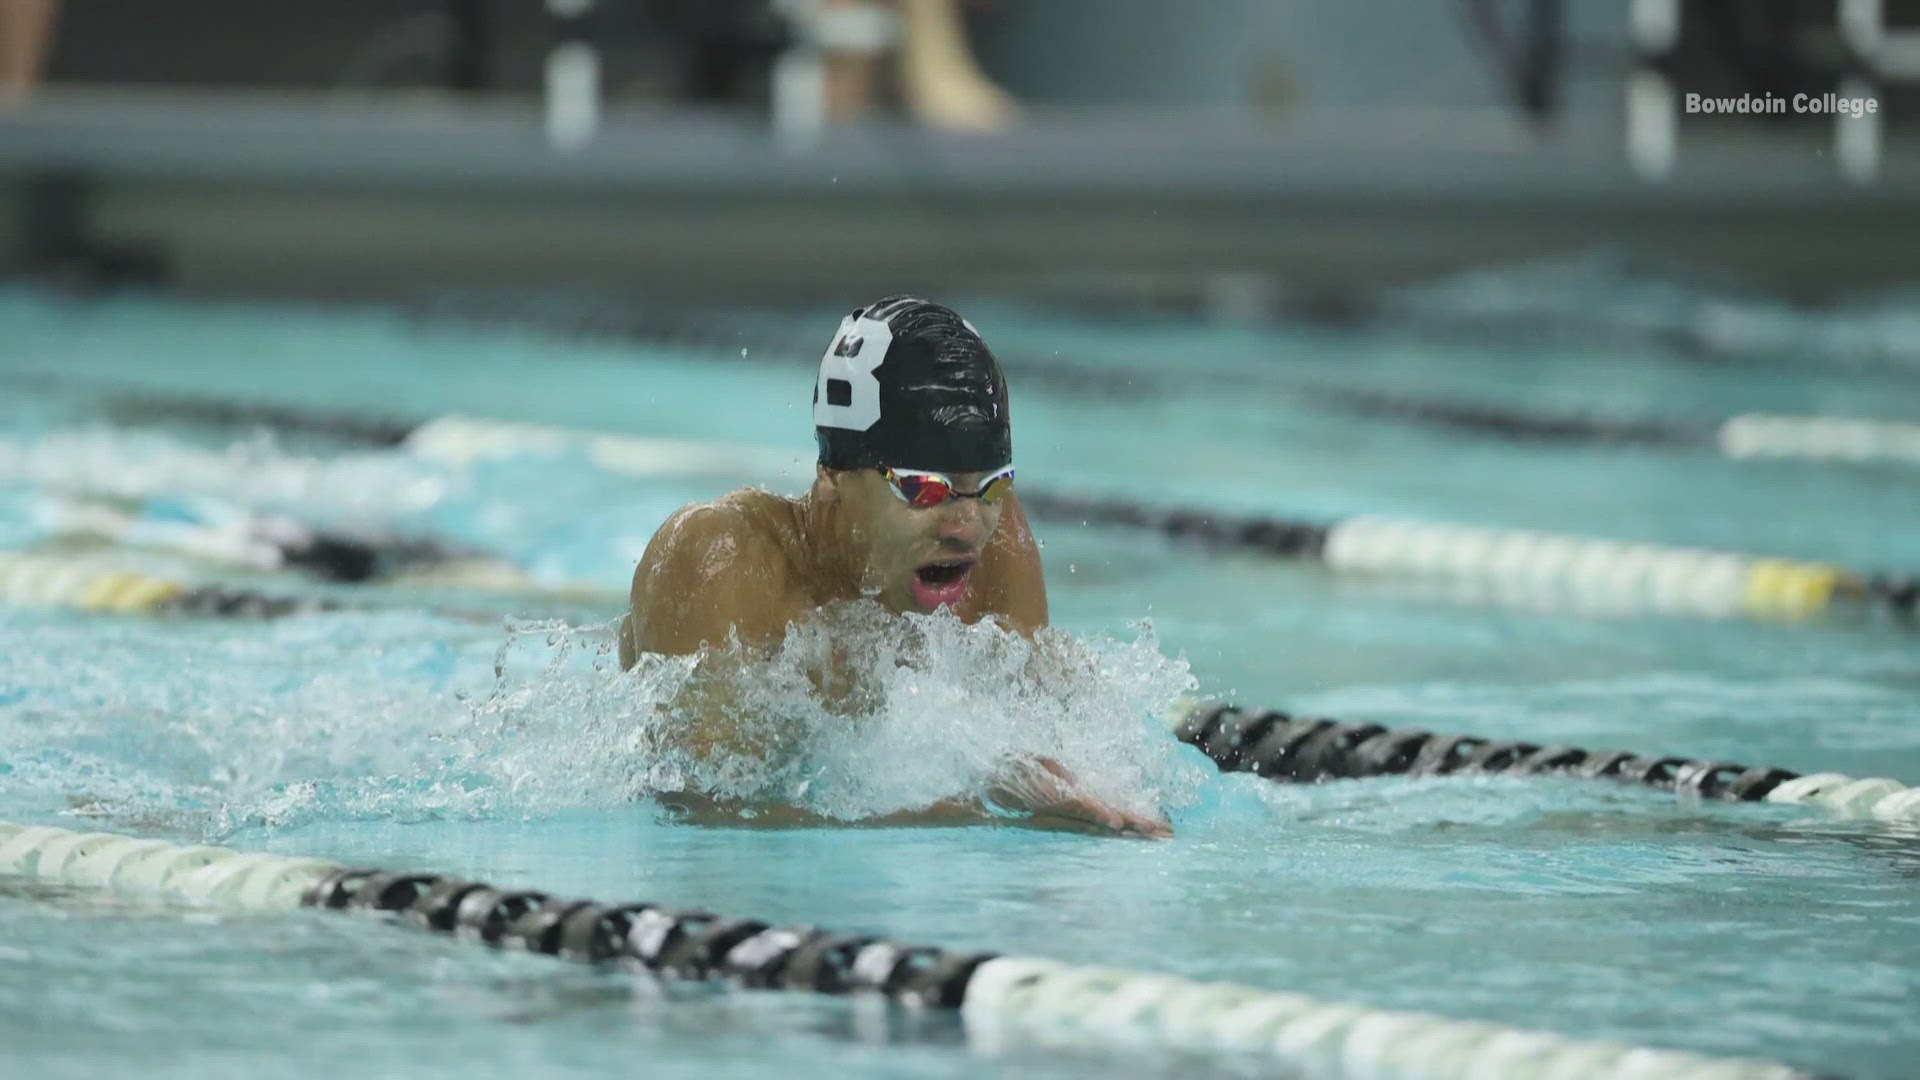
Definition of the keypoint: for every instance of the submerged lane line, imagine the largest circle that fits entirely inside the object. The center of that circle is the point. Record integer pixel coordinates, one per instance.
(1002, 1000)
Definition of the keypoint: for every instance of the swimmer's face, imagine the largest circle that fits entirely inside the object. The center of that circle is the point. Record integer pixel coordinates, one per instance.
(914, 558)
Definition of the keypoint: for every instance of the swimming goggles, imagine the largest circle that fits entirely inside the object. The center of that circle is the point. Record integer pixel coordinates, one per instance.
(924, 489)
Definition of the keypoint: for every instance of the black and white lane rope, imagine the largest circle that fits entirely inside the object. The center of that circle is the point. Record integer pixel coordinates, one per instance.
(1284, 747)
(1000, 998)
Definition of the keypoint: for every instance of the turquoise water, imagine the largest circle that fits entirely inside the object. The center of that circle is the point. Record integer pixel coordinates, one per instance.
(396, 736)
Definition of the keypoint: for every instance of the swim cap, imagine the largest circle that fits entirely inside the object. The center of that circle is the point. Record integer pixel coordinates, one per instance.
(908, 383)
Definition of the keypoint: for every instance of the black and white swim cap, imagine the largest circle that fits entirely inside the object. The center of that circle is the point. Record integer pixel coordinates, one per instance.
(908, 383)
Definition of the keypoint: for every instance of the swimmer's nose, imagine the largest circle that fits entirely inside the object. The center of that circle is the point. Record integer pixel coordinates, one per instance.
(964, 523)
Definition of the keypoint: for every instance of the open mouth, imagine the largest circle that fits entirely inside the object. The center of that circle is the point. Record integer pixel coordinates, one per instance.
(942, 583)
(946, 573)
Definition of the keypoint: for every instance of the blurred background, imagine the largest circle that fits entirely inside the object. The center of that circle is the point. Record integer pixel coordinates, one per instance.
(1243, 158)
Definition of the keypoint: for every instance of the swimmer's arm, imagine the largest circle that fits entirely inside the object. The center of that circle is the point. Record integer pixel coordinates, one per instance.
(1012, 584)
(1015, 588)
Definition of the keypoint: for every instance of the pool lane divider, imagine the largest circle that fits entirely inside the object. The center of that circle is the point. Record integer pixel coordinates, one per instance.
(1653, 577)
(1749, 436)
(1288, 748)
(84, 584)
(209, 529)
(1001, 999)
(1746, 437)
(205, 529)
(1753, 436)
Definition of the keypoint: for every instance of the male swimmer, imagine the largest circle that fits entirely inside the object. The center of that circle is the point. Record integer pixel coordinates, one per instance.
(912, 506)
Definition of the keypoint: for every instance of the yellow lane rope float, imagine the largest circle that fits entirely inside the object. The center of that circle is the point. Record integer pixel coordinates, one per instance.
(82, 584)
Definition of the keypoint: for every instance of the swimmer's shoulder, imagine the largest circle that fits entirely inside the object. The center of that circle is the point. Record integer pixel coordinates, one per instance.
(713, 567)
(704, 541)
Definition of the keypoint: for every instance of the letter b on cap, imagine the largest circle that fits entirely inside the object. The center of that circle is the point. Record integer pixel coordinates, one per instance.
(848, 393)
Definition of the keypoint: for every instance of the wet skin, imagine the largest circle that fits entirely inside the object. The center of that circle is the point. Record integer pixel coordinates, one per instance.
(752, 562)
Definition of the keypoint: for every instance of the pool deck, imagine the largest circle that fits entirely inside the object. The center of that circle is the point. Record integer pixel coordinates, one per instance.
(304, 193)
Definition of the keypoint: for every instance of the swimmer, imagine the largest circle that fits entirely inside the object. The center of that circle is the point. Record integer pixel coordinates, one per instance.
(912, 506)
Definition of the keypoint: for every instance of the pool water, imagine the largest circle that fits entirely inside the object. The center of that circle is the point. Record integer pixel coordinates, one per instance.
(402, 732)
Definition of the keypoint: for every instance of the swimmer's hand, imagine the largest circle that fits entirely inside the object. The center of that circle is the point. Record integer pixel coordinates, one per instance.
(1050, 793)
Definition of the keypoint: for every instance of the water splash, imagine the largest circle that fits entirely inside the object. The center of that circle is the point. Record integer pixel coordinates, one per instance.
(917, 708)
(351, 717)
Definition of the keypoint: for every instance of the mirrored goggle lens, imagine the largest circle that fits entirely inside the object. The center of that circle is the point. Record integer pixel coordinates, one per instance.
(997, 487)
(923, 490)
(932, 489)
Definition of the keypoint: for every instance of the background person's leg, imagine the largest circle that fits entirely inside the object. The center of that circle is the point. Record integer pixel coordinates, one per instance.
(857, 34)
(939, 80)
(939, 77)
(26, 33)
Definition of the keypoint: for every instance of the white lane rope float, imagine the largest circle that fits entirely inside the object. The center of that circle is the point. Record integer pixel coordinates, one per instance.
(1000, 999)
(1820, 438)
(1288, 748)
